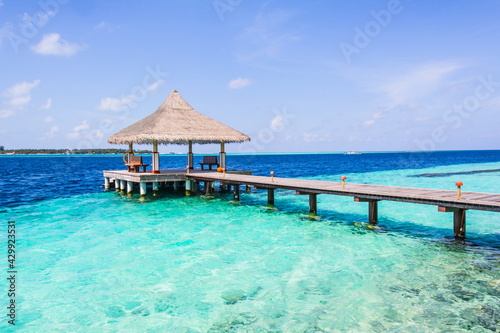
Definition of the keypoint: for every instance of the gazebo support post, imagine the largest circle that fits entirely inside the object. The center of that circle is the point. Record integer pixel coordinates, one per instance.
(190, 154)
(155, 158)
(222, 155)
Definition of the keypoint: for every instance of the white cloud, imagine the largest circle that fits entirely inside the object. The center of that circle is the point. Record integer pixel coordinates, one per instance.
(419, 82)
(113, 103)
(6, 113)
(51, 133)
(79, 130)
(83, 126)
(106, 27)
(17, 96)
(239, 83)
(20, 89)
(268, 36)
(52, 44)
(369, 122)
(21, 100)
(316, 137)
(48, 119)
(73, 135)
(47, 104)
(155, 85)
(277, 123)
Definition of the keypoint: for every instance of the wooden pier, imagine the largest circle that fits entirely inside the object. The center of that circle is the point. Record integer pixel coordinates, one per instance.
(446, 201)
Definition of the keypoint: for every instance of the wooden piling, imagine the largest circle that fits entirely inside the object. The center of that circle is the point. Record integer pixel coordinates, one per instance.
(106, 183)
(208, 188)
(372, 209)
(155, 188)
(130, 187)
(313, 203)
(270, 196)
(459, 225)
(143, 189)
(122, 186)
(236, 192)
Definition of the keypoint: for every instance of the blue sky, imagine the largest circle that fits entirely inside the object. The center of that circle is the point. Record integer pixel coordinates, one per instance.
(297, 76)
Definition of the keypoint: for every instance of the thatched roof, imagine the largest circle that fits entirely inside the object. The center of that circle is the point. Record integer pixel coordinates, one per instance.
(177, 122)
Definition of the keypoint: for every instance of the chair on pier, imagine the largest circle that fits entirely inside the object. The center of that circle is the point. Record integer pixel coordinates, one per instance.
(209, 160)
(135, 163)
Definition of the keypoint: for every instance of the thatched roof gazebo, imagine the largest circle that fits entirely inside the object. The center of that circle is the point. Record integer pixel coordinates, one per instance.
(176, 122)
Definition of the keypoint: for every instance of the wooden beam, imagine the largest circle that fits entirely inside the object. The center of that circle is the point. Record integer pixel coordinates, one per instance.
(358, 199)
(304, 193)
(448, 209)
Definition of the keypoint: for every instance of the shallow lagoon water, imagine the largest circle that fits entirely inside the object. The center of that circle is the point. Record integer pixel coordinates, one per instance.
(93, 261)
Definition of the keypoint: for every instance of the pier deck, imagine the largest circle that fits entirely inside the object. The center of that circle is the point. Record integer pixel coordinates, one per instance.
(470, 200)
(167, 175)
(445, 200)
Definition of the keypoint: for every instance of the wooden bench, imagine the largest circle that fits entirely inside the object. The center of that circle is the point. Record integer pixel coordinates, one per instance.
(209, 160)
(134, 164)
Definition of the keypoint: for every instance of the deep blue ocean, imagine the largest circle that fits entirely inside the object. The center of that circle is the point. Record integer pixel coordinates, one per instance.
(25, 179)
(95, 261)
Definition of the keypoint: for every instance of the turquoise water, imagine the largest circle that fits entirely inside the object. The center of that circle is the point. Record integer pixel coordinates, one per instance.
(103, 262)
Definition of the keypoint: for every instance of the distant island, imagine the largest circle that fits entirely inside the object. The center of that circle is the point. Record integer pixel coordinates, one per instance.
(4, 151)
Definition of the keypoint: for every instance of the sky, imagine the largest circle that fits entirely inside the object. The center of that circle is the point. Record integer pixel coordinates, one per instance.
(296, 76)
